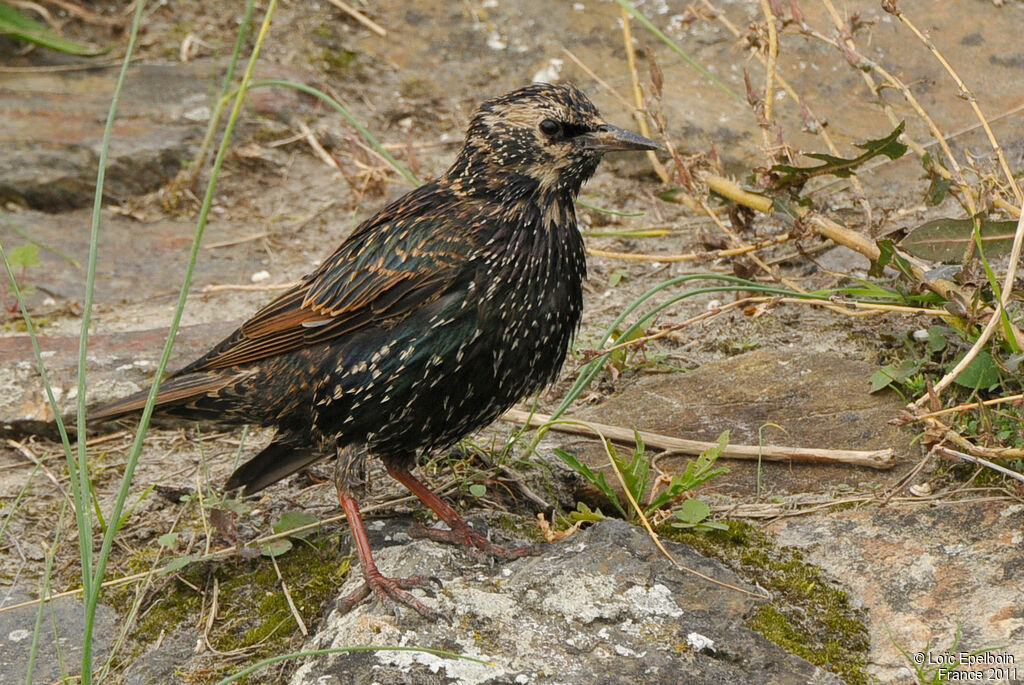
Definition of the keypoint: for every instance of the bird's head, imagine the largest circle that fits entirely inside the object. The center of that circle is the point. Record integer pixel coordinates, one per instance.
(549, 136)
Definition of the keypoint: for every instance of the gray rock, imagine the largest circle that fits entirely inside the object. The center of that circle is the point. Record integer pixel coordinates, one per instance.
(604, 606)
(59, 652)
(53, 127)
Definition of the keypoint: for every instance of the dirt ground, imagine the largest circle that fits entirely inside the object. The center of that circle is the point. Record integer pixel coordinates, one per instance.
(279, 209)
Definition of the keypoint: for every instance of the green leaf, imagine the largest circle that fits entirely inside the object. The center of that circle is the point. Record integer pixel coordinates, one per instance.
(23, 256)
(585, 513)
(23, 27)
(168, 540)
(477, 490)
(669, 194)
(946, 240)
(693, 514)
(178, 563)
(882, 378)
(290, 520)
(784, 205)
(981, 373)
(893, 373)
(839, 166)
(887, 256)
(937, 338)
(693, 511)
(938, 190)
(595, 479)
(616, 276)
(275, 548)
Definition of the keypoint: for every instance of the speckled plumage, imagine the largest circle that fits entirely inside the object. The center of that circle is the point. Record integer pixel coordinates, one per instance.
(434, 317)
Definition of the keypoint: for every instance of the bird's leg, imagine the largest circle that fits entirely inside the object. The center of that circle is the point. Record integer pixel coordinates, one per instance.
(460, 532)
(391, 590)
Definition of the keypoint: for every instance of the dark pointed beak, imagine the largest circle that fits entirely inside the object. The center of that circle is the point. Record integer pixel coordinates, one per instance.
(608, 138)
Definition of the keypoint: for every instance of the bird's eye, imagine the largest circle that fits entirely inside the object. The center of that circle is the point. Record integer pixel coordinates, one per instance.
(550, 127)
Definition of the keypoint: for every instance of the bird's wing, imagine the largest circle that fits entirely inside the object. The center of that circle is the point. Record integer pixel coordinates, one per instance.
(399, 260)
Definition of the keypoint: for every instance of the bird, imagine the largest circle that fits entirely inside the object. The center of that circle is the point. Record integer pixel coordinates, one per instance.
(434, 317)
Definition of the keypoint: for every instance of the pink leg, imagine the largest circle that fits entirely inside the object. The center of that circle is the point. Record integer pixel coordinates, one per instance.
(460, 532)
(391, 590)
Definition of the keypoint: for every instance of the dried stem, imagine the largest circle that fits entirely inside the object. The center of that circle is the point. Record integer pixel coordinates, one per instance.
(876, 459)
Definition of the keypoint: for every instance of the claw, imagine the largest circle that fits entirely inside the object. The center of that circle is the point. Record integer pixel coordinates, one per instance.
(392, 592)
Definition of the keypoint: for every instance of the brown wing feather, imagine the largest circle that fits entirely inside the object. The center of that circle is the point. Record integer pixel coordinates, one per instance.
(369, 279)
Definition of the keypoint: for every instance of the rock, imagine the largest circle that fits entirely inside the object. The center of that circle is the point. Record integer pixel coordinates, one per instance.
(55, 657)
(797, 397)
(603, 606)
(923, 574)
(53, 129)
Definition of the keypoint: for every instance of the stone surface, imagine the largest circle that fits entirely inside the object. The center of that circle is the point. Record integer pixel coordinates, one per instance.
(59, 651)
(924, 572)
(603, 606)
(798, 396)
(53, 128)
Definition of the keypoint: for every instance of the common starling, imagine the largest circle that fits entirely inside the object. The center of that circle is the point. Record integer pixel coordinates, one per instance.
(431, 320)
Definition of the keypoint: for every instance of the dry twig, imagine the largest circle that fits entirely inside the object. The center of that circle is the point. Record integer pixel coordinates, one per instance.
(876, 459)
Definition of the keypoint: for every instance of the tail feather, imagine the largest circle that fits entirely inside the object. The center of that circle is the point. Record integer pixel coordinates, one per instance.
(173, 391)
(279, 459)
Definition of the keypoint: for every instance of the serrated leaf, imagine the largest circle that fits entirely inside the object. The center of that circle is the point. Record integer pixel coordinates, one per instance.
(290, 520)
(981, 373)
(23, 27)
(946, 240)
(595, 479)
(840, 167)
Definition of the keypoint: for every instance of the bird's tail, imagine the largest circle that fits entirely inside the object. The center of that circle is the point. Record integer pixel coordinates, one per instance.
(279, 459)
(175, 391)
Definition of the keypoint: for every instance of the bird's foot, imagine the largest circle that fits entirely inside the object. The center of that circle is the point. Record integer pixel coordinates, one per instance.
(476, 544)
(392, 592)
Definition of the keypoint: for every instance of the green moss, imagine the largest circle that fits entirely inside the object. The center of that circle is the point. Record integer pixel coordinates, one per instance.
(808, 615)
(253, 614)
(331, 54)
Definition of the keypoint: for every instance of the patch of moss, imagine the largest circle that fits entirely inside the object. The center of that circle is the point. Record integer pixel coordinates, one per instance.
(331, 54)
(16, 324)
(808, 616)
(253, 614)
